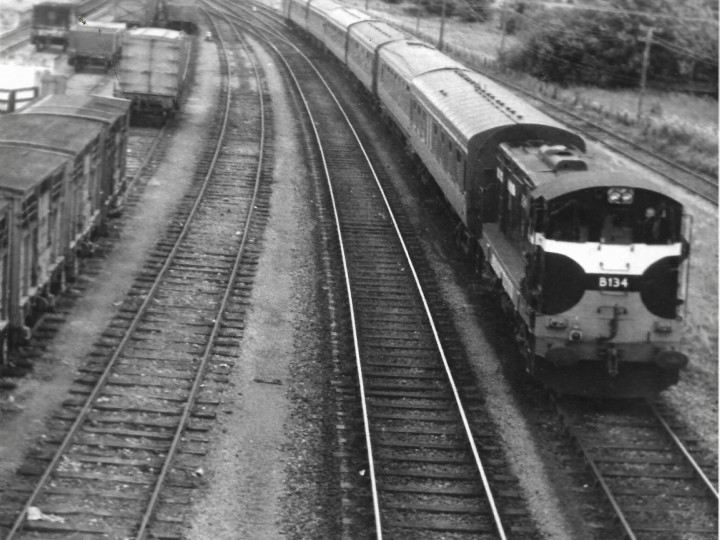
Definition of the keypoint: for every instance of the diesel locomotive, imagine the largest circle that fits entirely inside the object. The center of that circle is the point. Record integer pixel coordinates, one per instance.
(588, 258)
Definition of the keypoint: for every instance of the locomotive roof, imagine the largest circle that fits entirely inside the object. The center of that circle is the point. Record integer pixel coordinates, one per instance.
(24, 168)
(375, 33)
(411, 58)
(61, 133)
(92, 107)
(480, 109)
(602, 171)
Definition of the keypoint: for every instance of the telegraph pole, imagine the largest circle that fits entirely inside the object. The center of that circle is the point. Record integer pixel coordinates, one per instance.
(417, 19)
(504, 26)
(442, 26)
(646, 61)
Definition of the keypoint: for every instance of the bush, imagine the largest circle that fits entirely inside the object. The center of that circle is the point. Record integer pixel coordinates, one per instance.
(606, 49)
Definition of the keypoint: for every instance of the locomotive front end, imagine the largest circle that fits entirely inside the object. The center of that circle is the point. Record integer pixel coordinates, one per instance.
(604, 257)
(609, 285)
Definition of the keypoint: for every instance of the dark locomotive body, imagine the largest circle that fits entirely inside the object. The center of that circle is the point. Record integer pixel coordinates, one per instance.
(51, 22)
(595, 312)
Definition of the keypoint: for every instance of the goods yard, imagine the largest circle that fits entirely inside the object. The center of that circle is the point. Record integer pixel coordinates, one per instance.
(315, 278)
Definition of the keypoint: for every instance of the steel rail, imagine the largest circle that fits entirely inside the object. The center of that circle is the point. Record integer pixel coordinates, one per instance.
(187, 409)
(596, 472)
(102, 380)
(356, 342)
(436, 335)
(681, 447)
(146, 158)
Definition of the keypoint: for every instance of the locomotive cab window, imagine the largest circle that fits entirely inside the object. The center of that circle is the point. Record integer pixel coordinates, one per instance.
(614, 216)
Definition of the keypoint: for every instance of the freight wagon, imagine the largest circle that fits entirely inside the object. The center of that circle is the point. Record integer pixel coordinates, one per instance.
(95, 43)
(181, 15)
(152, 71)
(57, 161)
(51, 22)
(136, 12)
(34, 184)
(113, 117)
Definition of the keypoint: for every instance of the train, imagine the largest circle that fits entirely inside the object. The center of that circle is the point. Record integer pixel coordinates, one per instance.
(588, 258)
(62, 171)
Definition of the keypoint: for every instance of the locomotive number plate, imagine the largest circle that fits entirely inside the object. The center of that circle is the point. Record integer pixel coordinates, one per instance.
(613, 283)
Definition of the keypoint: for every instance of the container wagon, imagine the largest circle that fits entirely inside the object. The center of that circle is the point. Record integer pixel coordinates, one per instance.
(181, 15)
(95, 44)
(136, 12)
(34, 184)
(152, 72)
(51, 22)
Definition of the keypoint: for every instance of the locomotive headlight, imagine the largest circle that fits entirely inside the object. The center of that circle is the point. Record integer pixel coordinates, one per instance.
(555, 323)
(663, 327)
(575, 335)
(619, 195)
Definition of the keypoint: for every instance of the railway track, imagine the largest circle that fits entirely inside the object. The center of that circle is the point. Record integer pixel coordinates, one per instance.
(655, 489)
(429, 460)
(123, 454)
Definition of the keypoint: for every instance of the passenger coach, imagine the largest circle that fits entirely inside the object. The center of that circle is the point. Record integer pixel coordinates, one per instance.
(365, 40)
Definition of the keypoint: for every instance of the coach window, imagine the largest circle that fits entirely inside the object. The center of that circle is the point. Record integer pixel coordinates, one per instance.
(459, 168)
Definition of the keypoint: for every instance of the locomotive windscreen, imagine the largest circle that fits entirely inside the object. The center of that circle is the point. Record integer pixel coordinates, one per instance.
(613, 215)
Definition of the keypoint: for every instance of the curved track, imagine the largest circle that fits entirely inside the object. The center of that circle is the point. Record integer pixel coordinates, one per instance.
(122, 454)
(423, 469)
(655, 488)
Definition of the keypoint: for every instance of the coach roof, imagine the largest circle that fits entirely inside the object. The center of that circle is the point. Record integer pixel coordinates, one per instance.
(344, 17)
(477, 108)
(374, 33)
(412, 58)
(23, 168)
